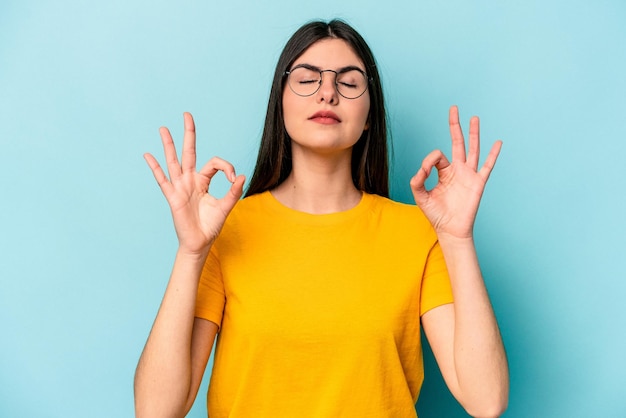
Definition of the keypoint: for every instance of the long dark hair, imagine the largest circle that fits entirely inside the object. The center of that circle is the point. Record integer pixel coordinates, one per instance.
(370, 171)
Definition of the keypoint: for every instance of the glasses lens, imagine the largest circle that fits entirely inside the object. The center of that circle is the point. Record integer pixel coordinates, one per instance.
(304, 81)
(351, 84)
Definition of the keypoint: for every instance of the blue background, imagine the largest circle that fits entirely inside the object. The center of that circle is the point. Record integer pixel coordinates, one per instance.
(86, 240)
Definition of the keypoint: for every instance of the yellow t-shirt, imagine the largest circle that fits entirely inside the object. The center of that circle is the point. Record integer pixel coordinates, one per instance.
(320, 314)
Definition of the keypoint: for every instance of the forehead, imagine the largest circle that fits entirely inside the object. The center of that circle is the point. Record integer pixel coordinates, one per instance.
(330, 53)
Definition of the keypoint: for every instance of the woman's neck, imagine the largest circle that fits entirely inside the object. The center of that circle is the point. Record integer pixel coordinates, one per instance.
(319, 185)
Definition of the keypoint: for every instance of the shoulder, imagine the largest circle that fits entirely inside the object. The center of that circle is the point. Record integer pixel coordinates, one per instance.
(244, 220)
(397, 215)
(250, 205)
(389, 207)
(251, 210)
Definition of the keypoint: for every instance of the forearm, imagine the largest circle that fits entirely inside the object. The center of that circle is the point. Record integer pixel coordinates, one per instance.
(479, 357)
(163, 376)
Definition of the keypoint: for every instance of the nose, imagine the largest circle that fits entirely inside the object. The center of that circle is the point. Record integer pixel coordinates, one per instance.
(328, 88)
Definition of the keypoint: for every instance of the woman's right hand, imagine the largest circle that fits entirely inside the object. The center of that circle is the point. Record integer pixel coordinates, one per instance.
(198, 216)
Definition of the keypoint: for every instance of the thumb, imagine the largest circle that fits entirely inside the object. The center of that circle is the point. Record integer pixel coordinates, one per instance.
(420, 194)
(234, 193)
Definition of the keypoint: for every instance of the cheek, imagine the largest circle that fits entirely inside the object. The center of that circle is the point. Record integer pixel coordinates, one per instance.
(364, 113)
(292, 104)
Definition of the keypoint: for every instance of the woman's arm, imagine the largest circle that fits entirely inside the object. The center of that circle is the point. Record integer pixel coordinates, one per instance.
(173, 361)
(464, 335)
(465, 338)
(174, 358)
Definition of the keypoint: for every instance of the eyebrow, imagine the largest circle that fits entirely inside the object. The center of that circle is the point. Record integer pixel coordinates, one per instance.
(339, 71)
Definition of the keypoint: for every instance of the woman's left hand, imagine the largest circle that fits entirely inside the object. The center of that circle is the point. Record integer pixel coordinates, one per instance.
(452, 204)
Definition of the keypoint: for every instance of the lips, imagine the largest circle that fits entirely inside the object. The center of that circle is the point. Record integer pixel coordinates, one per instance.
(325, 116)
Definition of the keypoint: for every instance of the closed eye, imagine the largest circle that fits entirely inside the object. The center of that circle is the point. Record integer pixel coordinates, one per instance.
(349, 85)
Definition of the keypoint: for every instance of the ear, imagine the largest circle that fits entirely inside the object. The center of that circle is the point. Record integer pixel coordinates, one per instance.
(367, 124)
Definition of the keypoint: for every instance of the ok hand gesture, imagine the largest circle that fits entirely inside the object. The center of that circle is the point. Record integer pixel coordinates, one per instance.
(452, 204)
(198, 216)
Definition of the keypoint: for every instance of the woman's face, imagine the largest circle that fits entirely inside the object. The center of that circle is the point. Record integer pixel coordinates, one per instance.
(326, 122)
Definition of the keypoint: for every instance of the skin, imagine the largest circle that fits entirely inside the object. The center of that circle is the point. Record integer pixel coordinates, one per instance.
(173, 361)
(464, 336)
(321, 180)
(325, 137)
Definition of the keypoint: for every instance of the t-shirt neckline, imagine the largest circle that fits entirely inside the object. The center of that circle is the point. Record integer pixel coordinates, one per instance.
(290, 214)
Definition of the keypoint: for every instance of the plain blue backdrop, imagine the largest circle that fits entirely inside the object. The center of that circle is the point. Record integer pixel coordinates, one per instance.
(86, 240)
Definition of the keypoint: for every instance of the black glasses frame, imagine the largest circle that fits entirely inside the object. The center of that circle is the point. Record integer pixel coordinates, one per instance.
(319, 84)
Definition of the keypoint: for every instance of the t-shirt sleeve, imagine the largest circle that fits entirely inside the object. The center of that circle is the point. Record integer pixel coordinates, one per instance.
(436, 288)
(211, 297)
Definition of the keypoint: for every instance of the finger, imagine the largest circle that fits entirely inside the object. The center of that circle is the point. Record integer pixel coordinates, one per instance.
(189, 144)
(234, 193)
(435, 159)
(474, 143)
(158, 173)
(456, 133)
(173, 166)
(420, 194)
(216, 164)
(490, 162)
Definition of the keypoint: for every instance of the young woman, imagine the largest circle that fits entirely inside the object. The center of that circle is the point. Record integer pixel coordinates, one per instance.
(316, 282)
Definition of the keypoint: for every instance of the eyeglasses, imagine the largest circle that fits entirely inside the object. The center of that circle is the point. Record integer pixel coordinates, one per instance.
(305, 80)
